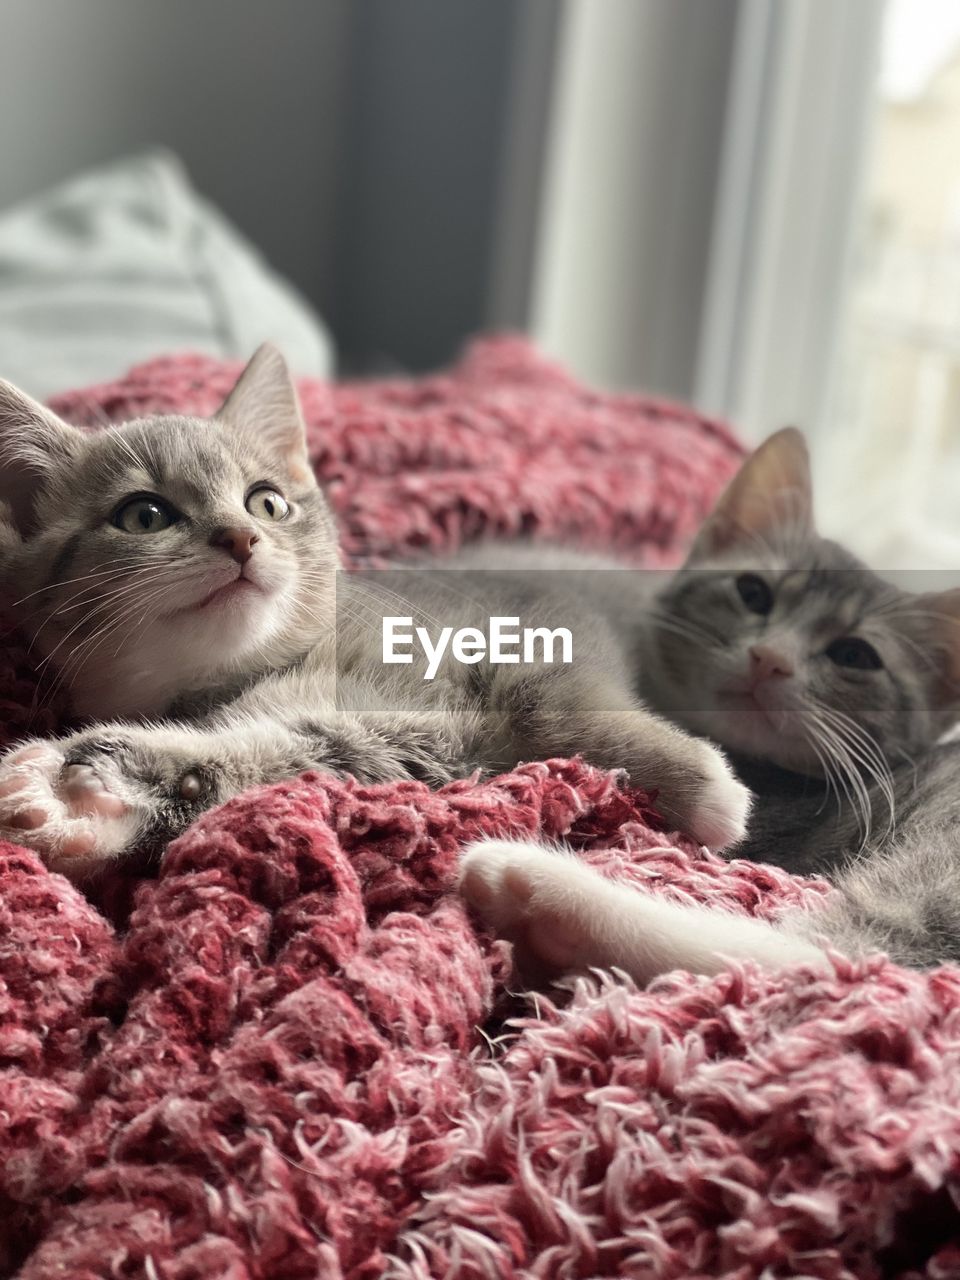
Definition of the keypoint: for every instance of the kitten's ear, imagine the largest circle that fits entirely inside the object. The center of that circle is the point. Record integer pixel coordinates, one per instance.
(265, 401)
(769, 499)
(34, 443)
(934, 623)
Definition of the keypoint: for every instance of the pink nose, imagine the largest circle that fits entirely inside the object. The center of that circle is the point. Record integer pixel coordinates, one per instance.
(238, 543)
(766, 662)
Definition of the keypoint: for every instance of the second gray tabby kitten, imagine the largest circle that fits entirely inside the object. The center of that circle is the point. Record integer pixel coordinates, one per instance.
(831, 687)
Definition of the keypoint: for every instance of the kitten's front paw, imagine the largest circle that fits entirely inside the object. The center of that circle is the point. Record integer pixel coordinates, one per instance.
(67, 812)
(708, 801)
(722, 806)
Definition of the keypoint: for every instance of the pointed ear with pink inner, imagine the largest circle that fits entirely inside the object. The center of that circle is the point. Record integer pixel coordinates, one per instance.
(768, 502)
(265, 402)
(34, 445)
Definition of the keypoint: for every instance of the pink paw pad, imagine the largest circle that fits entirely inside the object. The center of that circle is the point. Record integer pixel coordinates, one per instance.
(27, 819)
(78, 845)
(62, 810)
(85, 793)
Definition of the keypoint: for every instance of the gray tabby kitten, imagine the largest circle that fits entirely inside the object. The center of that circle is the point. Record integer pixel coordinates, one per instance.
(831, 689)
(179, 577)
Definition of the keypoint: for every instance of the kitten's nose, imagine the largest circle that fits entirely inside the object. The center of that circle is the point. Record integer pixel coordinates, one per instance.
(766, 662)
(237, 542)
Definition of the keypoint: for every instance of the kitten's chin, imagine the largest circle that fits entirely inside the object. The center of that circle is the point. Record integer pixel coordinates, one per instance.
(192, 650)
(230, 621)
(744, 728)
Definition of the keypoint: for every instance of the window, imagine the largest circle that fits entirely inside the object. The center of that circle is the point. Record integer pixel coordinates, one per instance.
(895, 412)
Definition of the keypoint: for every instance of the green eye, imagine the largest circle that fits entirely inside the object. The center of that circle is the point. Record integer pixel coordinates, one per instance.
(267, 504)
(146, 514)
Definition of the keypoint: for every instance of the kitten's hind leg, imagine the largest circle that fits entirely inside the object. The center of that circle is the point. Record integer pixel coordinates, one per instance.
(903, 900)
(562, 915)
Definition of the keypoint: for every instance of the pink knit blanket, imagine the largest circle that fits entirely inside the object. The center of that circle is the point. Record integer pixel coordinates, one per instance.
(290, 1058)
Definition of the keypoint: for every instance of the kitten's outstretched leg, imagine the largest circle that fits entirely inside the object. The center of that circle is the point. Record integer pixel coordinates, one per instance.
(560, 914)
(88, 799)
(66, 811)
(559, 713)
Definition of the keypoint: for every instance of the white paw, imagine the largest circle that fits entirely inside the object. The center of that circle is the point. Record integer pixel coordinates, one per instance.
(530, 896)
(63, 811)
(497, 878)
(720, 811)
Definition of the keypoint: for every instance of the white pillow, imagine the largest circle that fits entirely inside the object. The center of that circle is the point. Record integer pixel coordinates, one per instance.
(127, 262)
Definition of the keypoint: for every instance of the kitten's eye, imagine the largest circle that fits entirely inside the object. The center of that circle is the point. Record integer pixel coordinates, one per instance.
(851, 651)
(143, 515)
(755, 593)
(267, 504)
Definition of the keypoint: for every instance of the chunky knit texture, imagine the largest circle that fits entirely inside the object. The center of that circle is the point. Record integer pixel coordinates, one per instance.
(290, 1061)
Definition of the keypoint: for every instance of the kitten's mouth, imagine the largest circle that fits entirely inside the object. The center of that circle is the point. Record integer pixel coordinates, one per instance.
(227, 593)
(220, 595)
(745, 703)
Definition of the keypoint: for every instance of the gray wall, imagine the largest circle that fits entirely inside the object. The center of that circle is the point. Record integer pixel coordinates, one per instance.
(399, 159)
(247, 93)
(357, 142)
(428, 93)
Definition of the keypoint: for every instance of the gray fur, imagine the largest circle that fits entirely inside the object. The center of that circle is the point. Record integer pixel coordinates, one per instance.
(848, 771)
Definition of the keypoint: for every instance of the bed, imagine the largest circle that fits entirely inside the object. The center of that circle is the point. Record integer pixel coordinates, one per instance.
(290, 1053)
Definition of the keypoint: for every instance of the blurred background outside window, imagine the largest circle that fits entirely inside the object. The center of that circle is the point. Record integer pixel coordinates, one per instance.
(896, 415)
